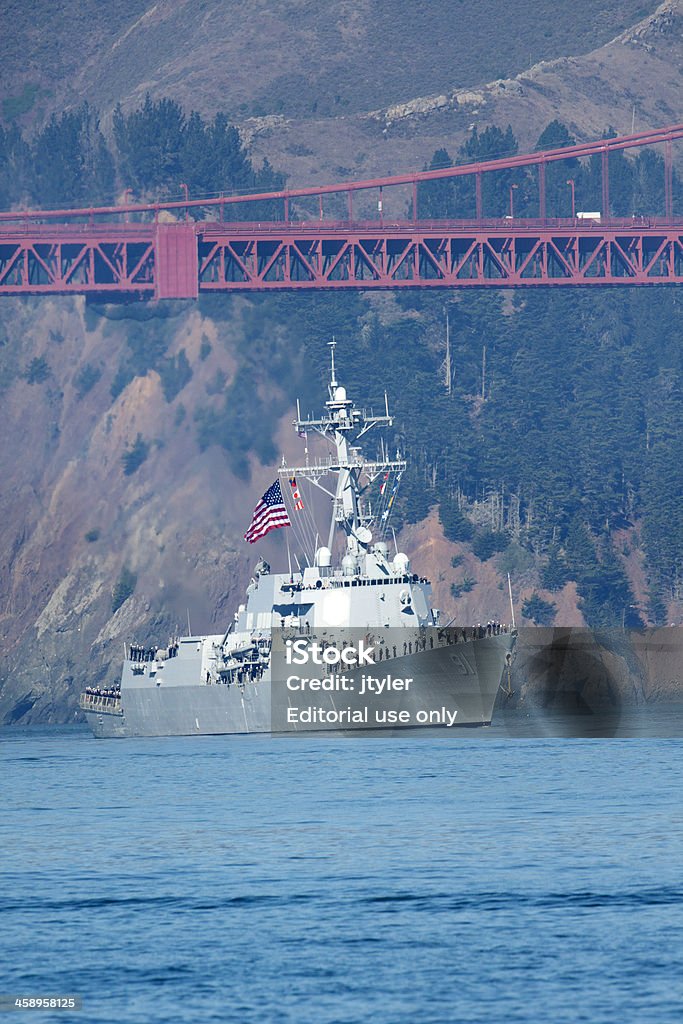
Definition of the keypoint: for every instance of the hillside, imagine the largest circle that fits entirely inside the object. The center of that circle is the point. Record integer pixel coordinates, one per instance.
(340, 90)
(140, 437)
(78, 519)
(631, 80)
(295, 58)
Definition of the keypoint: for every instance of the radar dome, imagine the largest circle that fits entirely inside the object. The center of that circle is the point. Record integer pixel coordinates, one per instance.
(340, 394)
(401, 563)
(348, 565)
(323, 557)
(363, 535)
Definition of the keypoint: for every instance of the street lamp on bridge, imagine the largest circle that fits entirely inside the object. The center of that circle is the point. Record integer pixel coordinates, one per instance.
(570, 182)
(512, 210)
(187, 198)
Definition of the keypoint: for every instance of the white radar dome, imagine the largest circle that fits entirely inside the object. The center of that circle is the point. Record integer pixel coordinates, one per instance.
(348, 565)
(323, 557)
(340, 394)
(401, 563)
(363, 535)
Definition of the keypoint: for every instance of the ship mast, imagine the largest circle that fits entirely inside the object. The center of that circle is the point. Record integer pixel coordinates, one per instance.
(343, 424)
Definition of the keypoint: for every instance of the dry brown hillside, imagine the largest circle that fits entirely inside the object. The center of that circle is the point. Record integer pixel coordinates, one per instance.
(295, 57)
(634, 80)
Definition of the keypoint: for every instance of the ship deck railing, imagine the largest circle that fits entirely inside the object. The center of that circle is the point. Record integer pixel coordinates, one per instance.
(103, 705)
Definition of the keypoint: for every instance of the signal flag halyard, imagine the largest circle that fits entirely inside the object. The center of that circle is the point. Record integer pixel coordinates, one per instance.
(387, 510)
(269, 514)
(298, 503)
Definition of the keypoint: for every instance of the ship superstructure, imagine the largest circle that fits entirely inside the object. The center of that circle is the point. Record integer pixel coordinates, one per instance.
(224, 683)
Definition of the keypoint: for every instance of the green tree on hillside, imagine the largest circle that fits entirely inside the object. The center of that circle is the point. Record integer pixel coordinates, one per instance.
(621, 182)
(557, 191)
(15, 165)
(212, 158)
(663, 483)
(72, 164)
(149, 143)
(439, 198)
(456, 197)
(648, 183)
(159, 147)
(491, 144)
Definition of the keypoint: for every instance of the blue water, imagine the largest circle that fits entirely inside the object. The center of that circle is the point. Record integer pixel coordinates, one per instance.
(329, 880)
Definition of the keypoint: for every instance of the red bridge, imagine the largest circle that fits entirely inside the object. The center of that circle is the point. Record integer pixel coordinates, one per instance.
(174, 250)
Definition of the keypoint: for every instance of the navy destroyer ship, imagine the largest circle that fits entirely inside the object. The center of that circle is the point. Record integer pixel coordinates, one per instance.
(234, 682)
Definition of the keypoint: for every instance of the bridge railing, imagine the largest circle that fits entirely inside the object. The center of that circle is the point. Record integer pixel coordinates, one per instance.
(145, 231)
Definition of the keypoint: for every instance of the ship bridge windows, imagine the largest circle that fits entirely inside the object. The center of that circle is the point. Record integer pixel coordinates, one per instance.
(286, 609)
(364, 583)
(379, 581)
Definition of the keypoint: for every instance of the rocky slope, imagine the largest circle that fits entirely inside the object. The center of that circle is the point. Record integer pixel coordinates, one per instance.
(72, 519)
(575, 682)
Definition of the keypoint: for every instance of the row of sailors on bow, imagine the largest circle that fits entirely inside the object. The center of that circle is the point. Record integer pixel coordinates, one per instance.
(97, 691)
(492, 628)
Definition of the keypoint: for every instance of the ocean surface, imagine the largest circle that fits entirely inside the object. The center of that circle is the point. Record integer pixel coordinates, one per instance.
(454, 878)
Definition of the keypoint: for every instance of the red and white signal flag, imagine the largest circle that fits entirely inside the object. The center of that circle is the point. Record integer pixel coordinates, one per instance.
(298, 503)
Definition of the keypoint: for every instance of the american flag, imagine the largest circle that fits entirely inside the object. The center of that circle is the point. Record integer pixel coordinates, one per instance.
(269, 514)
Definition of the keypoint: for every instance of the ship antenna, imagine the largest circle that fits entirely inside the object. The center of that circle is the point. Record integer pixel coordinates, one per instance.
(512, 607)
(333, 379)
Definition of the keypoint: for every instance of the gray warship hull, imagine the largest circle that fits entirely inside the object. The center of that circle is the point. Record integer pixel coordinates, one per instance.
(462, 678)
